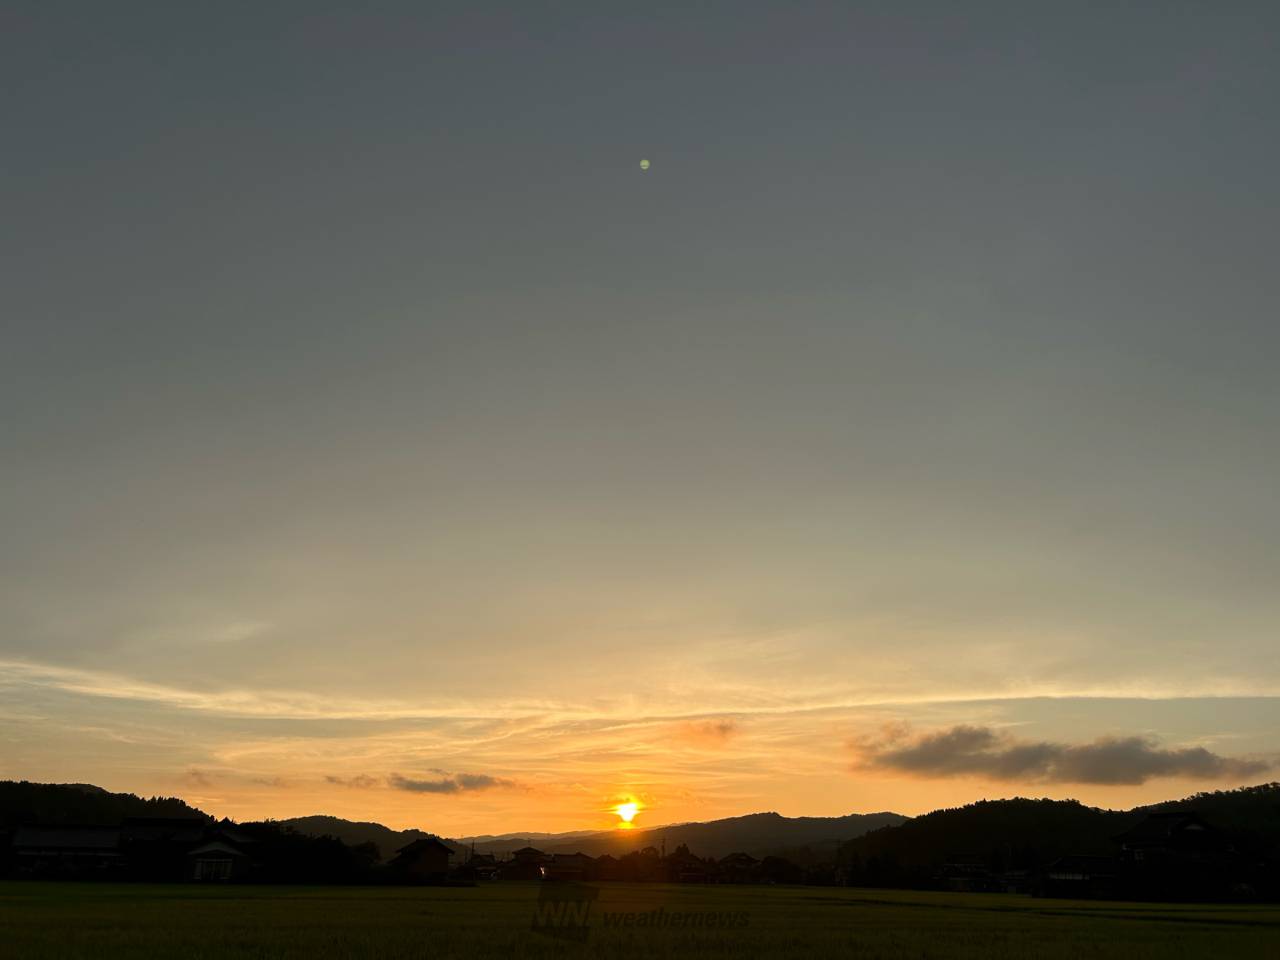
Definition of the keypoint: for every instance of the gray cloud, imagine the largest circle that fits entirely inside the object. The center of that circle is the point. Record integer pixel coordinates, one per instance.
(710, 731)
(359, 780)
(980, 751)
(279, 782)
(449, 783)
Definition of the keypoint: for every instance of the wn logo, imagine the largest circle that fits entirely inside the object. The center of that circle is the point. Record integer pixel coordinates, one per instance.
(564, 910)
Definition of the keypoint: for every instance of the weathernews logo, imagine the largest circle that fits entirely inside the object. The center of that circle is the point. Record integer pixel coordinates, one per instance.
(564, 911)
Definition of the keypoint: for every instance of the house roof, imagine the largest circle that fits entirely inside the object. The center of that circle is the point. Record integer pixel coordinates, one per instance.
(528, 851)
(171, 822)
(66, 838)
(684, 856)
(967, 859)
(1079, 863)
(217, 846)
(418, 846)
(1163, 826)
(232, 836)
(165, 829)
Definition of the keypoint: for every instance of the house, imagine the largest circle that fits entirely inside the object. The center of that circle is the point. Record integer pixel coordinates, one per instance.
(1176, 855)
(569, 866)
(608, 868)
(684, 867)
(692, 870)
(1168, 855)
(66, 851)
(220, 859)
(1013, 881)
(1079, 877)
(740, 868)
(967, 872)
(155, 848)
(423, 860)
(481, 866)
(1171, 837)
(525, 864)
(648, 865)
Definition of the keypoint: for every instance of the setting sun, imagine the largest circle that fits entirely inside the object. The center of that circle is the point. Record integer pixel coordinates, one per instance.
(626, 813)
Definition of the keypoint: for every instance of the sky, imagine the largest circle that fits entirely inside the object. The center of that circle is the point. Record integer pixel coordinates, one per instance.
(380, 440)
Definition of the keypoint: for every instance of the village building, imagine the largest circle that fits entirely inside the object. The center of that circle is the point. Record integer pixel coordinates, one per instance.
(684, 867)
(140, 849)
(423, 861)
(569, 866)
(1176, 855)
(218, 860)
(72, 851)
(739, 868)
(965, 872)
(525, 864)
(1171, 838)
(482, 867)
(1078, 876)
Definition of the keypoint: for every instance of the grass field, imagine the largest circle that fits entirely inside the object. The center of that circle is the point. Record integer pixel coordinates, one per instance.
(108, 921)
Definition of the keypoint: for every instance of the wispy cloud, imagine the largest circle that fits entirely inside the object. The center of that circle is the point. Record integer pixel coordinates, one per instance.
(963, 751)
(265, 704)
(739, 700)
(239, 631)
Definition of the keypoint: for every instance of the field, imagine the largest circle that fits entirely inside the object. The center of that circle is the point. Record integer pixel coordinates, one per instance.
(107, 921)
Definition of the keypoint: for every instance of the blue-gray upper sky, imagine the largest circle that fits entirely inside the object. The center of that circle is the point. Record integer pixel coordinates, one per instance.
(359, 388)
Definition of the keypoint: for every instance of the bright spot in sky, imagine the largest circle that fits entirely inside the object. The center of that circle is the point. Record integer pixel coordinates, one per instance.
(627, 812)
(644, 164)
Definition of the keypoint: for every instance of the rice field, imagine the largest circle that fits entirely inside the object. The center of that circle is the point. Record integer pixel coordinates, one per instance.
(108, 921)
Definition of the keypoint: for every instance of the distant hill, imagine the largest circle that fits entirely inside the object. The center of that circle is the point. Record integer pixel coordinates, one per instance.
(82, 803)
(522, 837)
(1023, 833)
(759, 834)
(353, 833)
(876, 848)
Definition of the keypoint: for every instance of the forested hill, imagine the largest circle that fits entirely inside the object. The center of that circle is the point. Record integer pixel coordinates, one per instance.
(80, 803)
(1249, 815)
(1022, 833)
(354, 833)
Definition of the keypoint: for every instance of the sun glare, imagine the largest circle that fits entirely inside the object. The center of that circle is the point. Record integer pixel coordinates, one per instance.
(626, 813)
